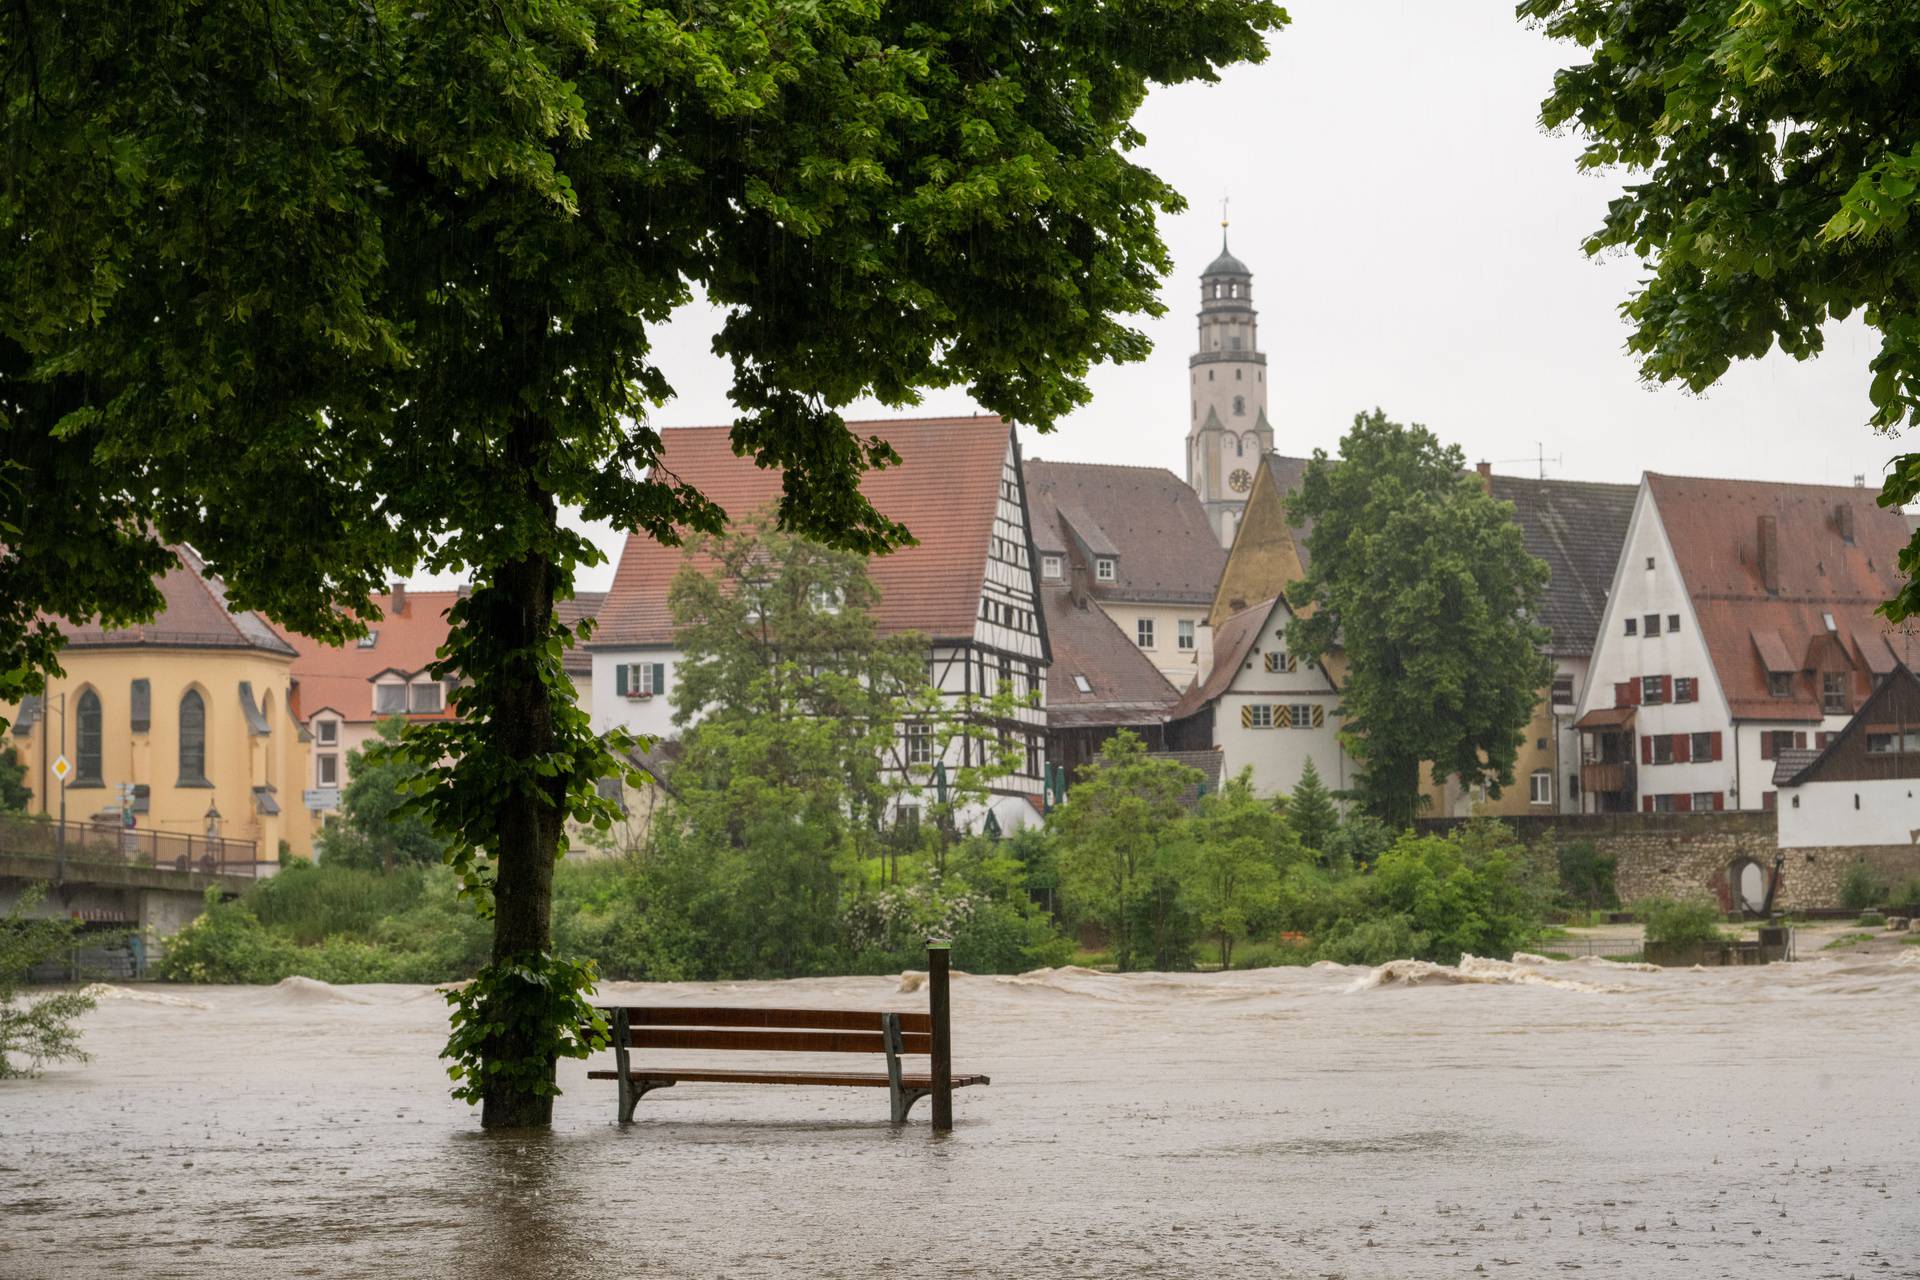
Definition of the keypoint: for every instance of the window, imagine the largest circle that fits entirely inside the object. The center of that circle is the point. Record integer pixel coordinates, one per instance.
(829, 599)
(1304, 715)
(1673, 623)
(370, 639)
(326, 771)
(1882, 744)
(1662, 744)
(919, 744)
(1649, 562)
(640, 679)
(193, 739)
(1184, 634)
(326, 732)
(1686, 689)
(1239, 402)
(1080, 683)
(140, 706)
(1774, 741)
(1707, 800)
(390, 699)
(1257, 716)
(1541, 787)
(1662, 804)
(86, 740)
(1033, 758)
(1833, 692)
(1563, 689)
(1780, 683)
(1143, 632)
(1650, 625)
(423, 698)
(1050, 566)
(1702, 744)
(1103, 569)
(1652, 690)
(1283, 662)
(1633, 626)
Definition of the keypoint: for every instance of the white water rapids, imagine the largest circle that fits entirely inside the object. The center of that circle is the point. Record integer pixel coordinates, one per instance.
(1530, 1117)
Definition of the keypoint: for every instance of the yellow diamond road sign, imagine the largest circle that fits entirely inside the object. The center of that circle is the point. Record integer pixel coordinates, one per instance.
(62, 767)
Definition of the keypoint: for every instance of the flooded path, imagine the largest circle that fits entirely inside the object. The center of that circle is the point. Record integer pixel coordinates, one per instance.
(1543, 1119)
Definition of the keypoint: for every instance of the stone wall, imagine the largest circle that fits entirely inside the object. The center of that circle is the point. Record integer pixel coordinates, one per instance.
(1685, 855)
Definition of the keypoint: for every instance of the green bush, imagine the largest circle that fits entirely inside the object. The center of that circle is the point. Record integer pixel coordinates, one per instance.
(1374, 941)
(1860, 888)
(309, 902)
(1271, 955)
(1908, 895)
(226, 943)
(1587, 876)
(35, 1030)
(1668, 920)
(1872, 920)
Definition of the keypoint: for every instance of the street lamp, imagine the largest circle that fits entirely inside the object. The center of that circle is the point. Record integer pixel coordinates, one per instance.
(213, 822)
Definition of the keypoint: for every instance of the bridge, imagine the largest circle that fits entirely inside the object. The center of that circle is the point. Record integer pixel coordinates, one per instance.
(130, 889)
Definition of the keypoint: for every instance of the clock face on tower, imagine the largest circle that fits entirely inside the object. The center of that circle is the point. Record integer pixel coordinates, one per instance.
(1240, 481)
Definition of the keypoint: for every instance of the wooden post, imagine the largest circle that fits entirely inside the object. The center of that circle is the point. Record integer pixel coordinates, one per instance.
(938, 951)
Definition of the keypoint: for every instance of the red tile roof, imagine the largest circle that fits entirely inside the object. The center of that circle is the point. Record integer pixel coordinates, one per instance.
(193, 615)
(1232, 642)
(945, 491)
(1714, 529)
(342, 678)
(585, 604)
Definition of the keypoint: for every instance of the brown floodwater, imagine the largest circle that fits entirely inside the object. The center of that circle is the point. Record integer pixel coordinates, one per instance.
(1544, 1119)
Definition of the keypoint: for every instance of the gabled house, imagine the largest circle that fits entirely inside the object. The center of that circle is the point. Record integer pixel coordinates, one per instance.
(1741, 625)
(1863, 787)
(182, 727)
(1135, 542)
(970, 585)
(343, 692)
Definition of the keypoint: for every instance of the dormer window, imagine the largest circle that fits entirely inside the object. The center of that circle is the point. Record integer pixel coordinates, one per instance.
(425, 698)
(390, 699)
(368, 640)
(1050, 566)
(1104, 569)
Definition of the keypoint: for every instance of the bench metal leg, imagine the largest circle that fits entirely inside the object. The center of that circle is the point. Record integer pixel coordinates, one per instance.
(903, 1100)
(632, 1090)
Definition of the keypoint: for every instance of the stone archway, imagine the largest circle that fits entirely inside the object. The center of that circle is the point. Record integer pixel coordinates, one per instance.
(1746, 885)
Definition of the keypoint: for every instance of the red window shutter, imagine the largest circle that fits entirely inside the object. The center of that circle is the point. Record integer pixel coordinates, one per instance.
(1716, 744)
(1623, 693)
(1633, 692)
(1682, 748)
(1766, 744)
(1800, 741)
(1646, 804)
(1719, 799)
(1683, 803)
(1767, 799)
(1646, 748)
(1666, 688)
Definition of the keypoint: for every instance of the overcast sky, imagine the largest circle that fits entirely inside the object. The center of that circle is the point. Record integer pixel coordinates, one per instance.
(1415, 243)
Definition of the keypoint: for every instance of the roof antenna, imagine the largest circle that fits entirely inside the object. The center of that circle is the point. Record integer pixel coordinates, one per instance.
(1540, 458)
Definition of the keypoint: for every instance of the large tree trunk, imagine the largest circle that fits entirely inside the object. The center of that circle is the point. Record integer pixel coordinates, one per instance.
(517, 607)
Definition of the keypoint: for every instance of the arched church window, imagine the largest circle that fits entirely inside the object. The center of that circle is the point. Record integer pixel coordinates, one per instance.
(1240, 406)
(86, 738)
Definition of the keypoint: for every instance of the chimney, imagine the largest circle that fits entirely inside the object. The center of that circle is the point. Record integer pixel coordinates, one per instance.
(1843, 522)
(1486, 475)
(397, 599)
(1769, 558)
(1077, 581)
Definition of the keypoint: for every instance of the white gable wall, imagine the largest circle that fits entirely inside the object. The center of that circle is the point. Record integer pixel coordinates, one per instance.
(1278, 754)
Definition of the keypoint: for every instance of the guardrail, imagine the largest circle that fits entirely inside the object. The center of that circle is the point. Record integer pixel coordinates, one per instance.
(99, 843)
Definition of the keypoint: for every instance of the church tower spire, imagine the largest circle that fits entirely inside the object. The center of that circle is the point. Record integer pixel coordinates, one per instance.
(1228, 432)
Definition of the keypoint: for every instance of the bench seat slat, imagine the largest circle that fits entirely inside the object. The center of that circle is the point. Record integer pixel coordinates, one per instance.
(852, 1078)
(795, 1019)
(773, 1041)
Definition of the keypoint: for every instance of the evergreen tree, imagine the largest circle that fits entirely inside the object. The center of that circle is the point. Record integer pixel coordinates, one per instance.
(1311, 811)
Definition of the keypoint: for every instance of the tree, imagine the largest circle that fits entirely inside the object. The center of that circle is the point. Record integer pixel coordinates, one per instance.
(1775, 150)
(1241, 846)
(1421, 578)
(1123, 840)
(14, 794)
(338, 292)
(1310, 810)
(376, 829)
(41, 1029)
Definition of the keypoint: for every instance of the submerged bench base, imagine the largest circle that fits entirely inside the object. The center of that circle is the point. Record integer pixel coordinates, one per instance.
(641, 1081)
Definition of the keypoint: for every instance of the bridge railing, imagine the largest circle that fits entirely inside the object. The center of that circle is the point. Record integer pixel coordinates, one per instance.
(87, 842)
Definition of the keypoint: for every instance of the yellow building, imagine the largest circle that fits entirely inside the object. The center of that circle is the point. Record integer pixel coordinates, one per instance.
(181, 723)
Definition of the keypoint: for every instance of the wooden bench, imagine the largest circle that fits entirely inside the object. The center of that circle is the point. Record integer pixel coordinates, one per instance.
(897, 1035)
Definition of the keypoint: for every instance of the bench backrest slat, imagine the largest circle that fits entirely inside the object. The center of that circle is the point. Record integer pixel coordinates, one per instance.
(794, 1019)
(774, 1041)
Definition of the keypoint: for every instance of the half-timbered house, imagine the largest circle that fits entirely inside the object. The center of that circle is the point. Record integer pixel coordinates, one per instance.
(969, 585)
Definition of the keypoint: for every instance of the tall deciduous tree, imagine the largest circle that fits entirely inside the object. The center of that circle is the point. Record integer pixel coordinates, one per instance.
(1775, 153)
(1421, 578)
(1242, 845)
(337, 291)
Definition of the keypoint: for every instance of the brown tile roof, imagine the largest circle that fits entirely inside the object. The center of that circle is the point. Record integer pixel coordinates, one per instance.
(945, 490)
(1149, 519)
(1211, 764)
(1713, 527)
(1288, 473)
(585, 604)
(1232, 641)
(193, 615)
(1124, 687)
(1578, 529)
(342, 677)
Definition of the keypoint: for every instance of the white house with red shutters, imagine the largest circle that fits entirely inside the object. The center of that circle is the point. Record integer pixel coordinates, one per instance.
(1741, 624)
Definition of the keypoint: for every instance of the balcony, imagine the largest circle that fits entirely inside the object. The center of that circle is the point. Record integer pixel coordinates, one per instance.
(1606, 777)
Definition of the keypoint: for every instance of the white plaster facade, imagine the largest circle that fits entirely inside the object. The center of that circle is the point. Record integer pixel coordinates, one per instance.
(1277, 713)
(1872, 811)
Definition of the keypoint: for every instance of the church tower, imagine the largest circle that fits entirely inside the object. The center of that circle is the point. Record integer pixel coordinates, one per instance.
(1228, 433)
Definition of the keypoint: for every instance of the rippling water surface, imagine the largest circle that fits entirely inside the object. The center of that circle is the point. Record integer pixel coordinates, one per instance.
(1529, 1120)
